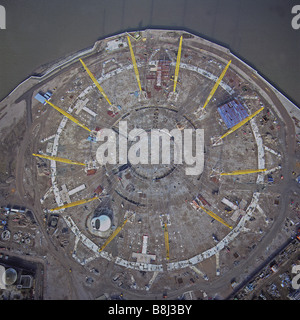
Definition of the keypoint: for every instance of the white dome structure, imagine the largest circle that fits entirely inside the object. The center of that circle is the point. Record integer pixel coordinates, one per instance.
(9, 277)
(101, 223)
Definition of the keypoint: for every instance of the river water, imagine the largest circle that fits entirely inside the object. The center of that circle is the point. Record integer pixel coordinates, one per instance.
(258, 31)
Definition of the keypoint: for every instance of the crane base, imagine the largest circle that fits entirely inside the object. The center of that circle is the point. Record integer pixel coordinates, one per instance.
(173, 96)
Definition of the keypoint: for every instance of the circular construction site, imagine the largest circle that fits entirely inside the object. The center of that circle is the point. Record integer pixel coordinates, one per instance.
(165, 156)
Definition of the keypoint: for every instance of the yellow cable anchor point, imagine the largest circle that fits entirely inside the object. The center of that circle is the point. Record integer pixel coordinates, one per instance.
(64, 160)
(136, 71)
(95, 81)
(66, 114)
(215, 87)
(177, 64)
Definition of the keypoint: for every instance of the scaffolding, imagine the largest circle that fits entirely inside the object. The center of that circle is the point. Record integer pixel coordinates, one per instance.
(162, 73)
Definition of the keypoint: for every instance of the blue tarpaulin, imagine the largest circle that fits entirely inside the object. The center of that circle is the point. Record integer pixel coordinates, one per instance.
(40, 98)
(232, 113)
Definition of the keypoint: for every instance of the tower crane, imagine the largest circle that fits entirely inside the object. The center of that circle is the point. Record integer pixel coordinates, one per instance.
(74, 204)
(237, 126)
(58, 159)
(136, 71)
(216, 217)
(196, 205)
(66, 114)
(177, 64)
(95, 81)
(166, 234)
(113, 235)
(215, 87)
(240, 172)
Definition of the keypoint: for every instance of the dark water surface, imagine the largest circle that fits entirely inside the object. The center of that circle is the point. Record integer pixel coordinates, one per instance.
(258, 31)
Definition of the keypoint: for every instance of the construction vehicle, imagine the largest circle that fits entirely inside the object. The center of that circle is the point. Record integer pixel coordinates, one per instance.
(298, 235)
(215, 238)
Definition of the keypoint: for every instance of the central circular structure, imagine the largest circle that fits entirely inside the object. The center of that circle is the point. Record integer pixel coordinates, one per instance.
(101, 223)
(162, 219)
(157, 130)
(164, 163)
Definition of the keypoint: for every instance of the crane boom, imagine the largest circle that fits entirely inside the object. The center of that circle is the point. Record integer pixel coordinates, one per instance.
(234, 173)
(59, 159)
(113, 235)
(216, 217)
(237, 126)
(66, 114)
(74, 204)
(95, 81)
(166, 234)
(177, 64)
(136, 71)
(215, 87)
